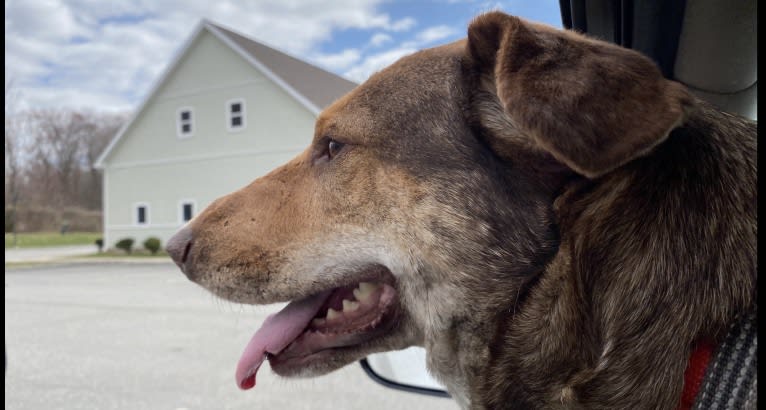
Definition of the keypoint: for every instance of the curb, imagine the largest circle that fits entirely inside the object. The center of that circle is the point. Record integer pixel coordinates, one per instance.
(88, 261)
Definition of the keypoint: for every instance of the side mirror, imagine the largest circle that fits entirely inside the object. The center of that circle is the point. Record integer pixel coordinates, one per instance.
(403, 370)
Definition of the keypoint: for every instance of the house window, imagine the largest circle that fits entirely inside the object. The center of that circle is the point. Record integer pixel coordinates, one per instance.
(185, 122)
(235, 114)
(186, 210)
(141, 214)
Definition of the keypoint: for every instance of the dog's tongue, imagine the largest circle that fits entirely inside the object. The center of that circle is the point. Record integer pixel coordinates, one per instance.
(278, 331)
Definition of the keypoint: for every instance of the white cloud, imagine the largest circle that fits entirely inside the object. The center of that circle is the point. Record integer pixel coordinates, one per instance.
(379, 39)
(338, 61)
(376, 62)
(109, 53)
(76, 98)
(403, 24)
(23, 17)
(434, 34)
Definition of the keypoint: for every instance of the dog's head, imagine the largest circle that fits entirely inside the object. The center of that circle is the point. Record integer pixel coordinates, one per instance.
(425, 199)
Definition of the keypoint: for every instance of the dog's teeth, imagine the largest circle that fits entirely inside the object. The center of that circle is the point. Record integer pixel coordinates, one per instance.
(332, 314)
(318, 322)
(364, 291)
(367, 287)
(349, 306)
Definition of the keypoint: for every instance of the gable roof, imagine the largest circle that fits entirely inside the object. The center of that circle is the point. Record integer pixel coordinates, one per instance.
(320, 87)
(311, 86)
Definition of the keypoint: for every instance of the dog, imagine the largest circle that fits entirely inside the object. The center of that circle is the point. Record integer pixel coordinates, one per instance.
(556, 223)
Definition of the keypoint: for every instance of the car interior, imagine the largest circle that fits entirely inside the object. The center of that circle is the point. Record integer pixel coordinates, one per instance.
(708, 45)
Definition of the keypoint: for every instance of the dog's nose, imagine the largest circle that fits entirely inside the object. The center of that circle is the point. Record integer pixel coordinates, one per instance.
(179, 247)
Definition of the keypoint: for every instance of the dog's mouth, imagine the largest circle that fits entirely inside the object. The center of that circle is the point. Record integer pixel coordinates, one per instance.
(311, 329)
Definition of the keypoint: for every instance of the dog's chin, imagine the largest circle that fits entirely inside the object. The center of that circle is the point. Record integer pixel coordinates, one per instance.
(329, 328)
(352, 322)
(329, 360)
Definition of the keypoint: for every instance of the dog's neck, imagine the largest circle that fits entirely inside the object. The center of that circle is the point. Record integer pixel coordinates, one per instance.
(652, 257)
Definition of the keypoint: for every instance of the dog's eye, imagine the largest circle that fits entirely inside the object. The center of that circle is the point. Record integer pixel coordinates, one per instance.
(333, 148)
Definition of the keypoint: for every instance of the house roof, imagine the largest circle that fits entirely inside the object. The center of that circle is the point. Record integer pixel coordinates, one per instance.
(311, 86)
(317, 85)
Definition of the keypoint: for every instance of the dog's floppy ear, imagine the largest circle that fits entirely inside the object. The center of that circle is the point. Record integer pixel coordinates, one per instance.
(592, 105)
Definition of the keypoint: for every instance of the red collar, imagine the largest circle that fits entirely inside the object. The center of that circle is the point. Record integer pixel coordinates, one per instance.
(695, 373)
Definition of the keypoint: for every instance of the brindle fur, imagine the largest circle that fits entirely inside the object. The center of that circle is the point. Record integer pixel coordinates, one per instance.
(563, 223)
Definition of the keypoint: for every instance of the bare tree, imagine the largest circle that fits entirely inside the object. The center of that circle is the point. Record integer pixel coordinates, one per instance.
(54, 151)
(105, 128)
(49, 160)
(66, 146)
(13, 170)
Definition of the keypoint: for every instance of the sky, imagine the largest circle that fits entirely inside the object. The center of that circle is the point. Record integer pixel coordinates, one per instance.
(105, 55)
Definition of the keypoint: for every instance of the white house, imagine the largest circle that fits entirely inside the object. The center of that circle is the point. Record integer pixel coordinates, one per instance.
(227, 110)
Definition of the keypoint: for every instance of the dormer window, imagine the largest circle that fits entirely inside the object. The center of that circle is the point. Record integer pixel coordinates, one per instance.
(235, 114)
(185, 122)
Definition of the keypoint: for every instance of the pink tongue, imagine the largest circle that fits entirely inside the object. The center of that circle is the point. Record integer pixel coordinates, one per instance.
(278, 331)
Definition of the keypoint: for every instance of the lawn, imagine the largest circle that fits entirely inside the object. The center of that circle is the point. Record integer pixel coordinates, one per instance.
(39, 239)
(137, 253)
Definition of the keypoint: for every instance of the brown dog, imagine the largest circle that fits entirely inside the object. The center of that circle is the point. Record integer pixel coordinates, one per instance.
(556, 223)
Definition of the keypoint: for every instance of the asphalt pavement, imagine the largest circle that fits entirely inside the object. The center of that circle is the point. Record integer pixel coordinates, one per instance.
(140, 336)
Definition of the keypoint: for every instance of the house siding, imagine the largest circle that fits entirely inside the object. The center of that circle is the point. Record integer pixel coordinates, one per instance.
(274, 119)
(150, 164)
(164, 186)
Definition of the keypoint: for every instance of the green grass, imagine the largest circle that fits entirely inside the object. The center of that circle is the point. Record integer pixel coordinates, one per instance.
(137, 253)
(41, 239)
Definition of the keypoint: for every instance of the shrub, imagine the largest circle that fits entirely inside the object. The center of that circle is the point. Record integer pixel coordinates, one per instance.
(48, 219)
(152, 244)
(126, 244)
(100, 243)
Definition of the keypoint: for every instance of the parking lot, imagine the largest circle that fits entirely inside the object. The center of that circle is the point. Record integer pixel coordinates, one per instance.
(140, 336)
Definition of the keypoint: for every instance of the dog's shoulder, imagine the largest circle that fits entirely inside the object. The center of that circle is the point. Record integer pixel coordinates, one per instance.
(654, 256)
